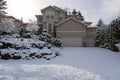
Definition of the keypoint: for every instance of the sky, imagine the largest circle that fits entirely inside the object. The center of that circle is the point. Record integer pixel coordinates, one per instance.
(92, 10)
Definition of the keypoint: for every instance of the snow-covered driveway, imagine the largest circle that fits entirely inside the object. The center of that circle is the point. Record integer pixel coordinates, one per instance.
(102, 62)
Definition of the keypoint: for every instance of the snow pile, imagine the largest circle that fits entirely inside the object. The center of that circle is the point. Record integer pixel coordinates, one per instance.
(46, 72)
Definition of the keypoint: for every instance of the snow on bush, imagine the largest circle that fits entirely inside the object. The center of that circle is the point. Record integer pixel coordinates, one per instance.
(32, 26)
(14, 47)
(48, 38)
(118, 46)
(7, 26)
(46, 72)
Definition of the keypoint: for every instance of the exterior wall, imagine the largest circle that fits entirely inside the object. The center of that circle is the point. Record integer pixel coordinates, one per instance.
(55, 20)
(73, 31)
(71, 25)
(91, 37)
(55, 17)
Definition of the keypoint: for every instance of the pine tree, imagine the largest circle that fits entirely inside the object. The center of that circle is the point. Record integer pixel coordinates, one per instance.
(114, 35)
(101, 33)
(74, 12)
(2, 8)
(80, 16)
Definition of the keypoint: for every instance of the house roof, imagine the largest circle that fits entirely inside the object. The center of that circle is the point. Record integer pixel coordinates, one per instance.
(12, 17)
(55, 8)
(72, 18)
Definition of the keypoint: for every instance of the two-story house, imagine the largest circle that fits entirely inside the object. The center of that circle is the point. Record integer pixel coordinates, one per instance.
(71, 29)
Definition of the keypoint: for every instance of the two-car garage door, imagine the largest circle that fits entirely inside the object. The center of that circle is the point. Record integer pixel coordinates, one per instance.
(72, 41)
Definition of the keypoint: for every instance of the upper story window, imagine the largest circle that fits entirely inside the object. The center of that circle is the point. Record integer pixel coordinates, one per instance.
(50, 15)
(40, 19)
(60, 16)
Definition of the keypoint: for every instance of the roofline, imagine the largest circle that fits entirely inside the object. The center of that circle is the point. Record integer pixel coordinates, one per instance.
(53, 8)
(84, 23)
(38, 15)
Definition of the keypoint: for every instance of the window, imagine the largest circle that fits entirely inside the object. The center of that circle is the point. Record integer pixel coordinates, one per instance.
(50, 27)
(47, 17)
(60, 16)
(40, 19)
(50, 15)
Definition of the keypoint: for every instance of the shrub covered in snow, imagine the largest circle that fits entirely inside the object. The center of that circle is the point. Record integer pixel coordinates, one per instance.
(57, 42)
(32, 27)
(48, 38)
(12, 47)
(6, 26)
(118, 46)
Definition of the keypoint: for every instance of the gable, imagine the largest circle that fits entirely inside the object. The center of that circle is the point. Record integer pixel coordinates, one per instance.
(48, 9)
(53, 7)
(71, 25)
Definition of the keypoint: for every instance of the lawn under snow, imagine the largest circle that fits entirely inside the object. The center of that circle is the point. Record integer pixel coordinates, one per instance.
(73, 64)
(45, 72)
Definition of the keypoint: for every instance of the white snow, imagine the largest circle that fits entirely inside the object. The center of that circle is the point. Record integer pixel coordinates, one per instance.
(45, 72)
(72, 63)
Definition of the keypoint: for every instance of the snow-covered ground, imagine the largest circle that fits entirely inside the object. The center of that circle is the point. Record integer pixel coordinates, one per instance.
(45, 72)
(101, 62)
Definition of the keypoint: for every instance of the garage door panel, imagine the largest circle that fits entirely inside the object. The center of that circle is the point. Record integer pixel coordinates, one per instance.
(72, 41)
(71, 34)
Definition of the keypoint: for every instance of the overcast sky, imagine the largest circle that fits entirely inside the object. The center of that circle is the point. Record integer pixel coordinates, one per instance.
(92, 10)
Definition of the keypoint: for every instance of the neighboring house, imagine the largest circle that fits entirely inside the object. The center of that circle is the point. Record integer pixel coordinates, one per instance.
(16, 21)
(71, 29)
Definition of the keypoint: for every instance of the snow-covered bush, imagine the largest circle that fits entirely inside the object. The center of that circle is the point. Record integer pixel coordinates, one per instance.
(7, 26)
(57, 42)
(6, 56)
(22, 31)
(26, 48)
(32, 27)
(118, 46)
(27, 35)
(44, 36)
(16, 35)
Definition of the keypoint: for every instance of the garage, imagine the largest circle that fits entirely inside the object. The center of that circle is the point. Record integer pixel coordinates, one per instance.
(71, 32)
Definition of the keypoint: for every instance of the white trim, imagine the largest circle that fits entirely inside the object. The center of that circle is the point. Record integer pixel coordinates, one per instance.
(70, 31)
